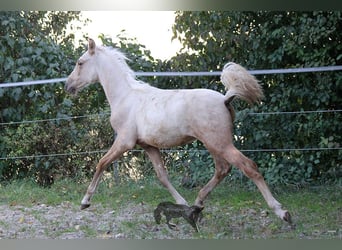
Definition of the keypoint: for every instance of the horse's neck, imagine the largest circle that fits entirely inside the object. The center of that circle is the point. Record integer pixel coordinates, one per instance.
(116, 84)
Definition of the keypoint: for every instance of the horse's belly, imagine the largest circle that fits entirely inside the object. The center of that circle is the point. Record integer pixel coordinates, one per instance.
(166, 141)
(165, 136)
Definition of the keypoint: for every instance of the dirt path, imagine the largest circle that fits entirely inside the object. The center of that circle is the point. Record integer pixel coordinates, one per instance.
(67, 221)
(136, 221)
(64, 221)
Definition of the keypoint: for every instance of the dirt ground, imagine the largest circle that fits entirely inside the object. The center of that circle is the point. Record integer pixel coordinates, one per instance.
(136, 221)
(67, 221)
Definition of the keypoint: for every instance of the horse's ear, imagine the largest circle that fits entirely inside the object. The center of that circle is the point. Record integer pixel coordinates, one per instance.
(91, 46)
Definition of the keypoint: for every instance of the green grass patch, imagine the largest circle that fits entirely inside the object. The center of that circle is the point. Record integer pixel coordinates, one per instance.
(27, 193)
(231, 212)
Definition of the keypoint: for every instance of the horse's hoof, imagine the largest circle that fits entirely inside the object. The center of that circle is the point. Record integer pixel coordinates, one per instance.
(199, 204)
(84, 206)
(287, 217)
(201, 207)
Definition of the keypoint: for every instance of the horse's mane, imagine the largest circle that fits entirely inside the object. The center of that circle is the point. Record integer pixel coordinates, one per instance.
(119, 58)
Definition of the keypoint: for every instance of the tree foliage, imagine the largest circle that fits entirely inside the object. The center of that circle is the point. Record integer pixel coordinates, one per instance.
(273, 40)
(33, 46)
(29, 51)
(36, 45)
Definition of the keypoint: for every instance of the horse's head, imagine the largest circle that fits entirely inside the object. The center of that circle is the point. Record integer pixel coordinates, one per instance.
(84, 72)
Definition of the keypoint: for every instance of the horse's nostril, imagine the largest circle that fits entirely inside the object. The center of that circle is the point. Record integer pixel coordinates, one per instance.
(70, 90)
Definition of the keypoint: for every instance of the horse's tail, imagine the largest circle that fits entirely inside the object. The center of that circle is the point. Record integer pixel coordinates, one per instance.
(241, 84)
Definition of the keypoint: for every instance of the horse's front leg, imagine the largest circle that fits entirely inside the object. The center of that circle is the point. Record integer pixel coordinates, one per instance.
(114, 153)
(157, 161)
(222, 168)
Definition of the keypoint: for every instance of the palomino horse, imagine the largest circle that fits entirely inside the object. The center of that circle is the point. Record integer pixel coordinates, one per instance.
(154, 118)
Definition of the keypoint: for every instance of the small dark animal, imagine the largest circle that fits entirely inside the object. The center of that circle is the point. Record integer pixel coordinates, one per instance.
(171, 210)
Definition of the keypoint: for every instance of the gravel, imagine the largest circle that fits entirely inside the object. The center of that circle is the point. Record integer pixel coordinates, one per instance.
(67, 221)
(136, 221)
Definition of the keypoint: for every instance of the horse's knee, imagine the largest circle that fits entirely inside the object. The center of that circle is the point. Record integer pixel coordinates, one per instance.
(162, 175)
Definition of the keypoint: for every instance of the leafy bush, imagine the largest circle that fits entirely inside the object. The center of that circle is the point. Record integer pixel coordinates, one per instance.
(34, 46)
(273, 40)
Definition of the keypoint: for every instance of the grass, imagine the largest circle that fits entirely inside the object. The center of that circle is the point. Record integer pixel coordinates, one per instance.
(231, 212)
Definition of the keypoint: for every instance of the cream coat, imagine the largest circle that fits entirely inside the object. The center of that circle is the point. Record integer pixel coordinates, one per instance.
(156, 118)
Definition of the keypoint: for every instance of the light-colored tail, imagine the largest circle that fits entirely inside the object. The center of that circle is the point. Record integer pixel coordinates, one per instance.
(240, 83)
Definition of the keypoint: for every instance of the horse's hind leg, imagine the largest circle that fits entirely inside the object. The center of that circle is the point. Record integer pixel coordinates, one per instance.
(157, 161)
(250, 169)
(222, 168)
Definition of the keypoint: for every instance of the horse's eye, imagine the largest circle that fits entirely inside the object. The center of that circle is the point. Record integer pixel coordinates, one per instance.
(80, 63)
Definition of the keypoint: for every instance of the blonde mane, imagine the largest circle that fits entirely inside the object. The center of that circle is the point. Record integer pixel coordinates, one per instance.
(119, 59)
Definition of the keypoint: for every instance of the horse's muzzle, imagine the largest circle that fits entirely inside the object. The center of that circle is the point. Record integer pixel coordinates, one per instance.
(72, 91)
(68, 88)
